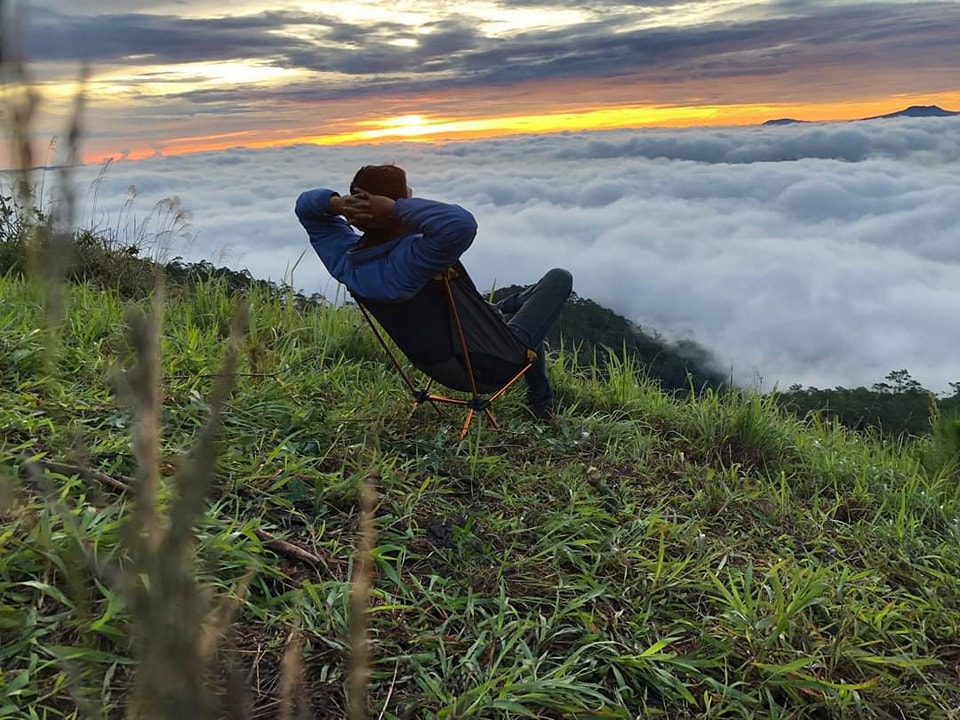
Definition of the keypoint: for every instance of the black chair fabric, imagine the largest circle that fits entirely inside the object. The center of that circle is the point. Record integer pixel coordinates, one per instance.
(425, 331)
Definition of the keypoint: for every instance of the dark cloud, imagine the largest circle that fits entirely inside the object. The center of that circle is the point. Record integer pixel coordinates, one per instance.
(888, 34)
(791, 37)
(822, 44)
(135, 38)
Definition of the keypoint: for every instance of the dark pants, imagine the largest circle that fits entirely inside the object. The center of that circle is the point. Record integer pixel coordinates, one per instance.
(531, 314)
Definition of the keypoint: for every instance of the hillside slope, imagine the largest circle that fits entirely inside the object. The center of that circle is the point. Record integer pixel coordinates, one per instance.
(645, 556)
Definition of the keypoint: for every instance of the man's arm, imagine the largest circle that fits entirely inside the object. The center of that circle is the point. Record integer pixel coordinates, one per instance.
(330, 235)
(443, 233)
(446, 233)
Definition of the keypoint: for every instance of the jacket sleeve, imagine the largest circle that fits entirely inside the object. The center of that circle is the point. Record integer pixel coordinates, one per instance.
(330, 235)
(445, 233)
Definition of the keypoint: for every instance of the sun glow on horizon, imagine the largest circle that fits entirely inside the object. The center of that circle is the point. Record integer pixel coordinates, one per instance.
(401, 123)
(427, 127)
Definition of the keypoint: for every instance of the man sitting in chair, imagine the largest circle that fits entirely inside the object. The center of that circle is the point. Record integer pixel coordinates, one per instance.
(406, 241)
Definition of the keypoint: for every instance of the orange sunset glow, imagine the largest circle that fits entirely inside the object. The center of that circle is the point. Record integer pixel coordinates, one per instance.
(434, 128)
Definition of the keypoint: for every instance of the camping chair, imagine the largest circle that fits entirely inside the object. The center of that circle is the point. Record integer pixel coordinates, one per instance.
(452, 335)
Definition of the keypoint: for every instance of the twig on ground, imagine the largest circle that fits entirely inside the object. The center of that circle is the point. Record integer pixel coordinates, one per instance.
(208, 376)
(393, 684)
(124, 485)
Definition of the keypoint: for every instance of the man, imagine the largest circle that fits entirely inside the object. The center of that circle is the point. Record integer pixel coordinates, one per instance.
(406, 241)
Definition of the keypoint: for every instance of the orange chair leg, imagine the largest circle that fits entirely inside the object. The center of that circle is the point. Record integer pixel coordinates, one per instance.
(432, 403)
(466, 423)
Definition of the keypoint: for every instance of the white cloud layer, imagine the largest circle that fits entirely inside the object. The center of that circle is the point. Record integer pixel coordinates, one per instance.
(822, 254)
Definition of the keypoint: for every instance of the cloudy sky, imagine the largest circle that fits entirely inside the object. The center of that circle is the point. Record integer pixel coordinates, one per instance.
(173, 76)
(825, 254)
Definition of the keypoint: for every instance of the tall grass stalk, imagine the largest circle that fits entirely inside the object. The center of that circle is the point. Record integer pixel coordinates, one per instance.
(359, 678)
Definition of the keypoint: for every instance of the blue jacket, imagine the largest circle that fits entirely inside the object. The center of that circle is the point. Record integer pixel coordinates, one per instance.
(394, 271)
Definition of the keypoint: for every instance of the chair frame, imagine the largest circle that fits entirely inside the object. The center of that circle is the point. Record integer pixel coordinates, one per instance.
(479, 403)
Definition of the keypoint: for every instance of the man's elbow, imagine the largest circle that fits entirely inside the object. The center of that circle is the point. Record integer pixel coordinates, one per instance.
(461, 240)
(472, 228)
(469, 223)
(313, 204)
(467, 240)
(303, 208)
(466, 228)
(456, 234)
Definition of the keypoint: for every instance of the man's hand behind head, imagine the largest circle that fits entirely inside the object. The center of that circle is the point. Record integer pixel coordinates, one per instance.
(367, 211)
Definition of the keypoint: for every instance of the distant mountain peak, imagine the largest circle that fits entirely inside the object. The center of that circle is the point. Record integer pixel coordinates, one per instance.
(914, 111)
(783, 121)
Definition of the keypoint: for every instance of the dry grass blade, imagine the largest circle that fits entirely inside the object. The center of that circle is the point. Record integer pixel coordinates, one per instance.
(170, 606)
(143, 386)
(221, 618)
(20, 98)
(359, 603)
(56, 253)
(293, 705)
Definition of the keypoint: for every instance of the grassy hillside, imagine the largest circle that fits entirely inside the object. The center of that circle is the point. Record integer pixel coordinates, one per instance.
(644, 556)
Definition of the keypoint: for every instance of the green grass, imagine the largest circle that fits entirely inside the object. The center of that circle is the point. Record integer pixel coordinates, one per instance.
(646, 556)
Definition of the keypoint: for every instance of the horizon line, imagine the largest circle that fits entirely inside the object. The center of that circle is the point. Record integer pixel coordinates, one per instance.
(426, 129)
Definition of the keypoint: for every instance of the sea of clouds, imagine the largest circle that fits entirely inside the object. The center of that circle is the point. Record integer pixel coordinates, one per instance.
(821, 254)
